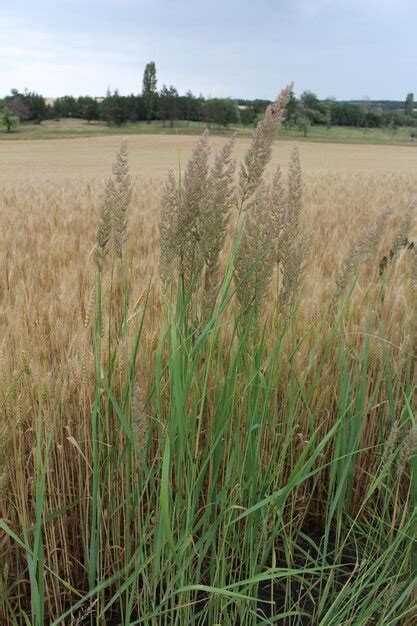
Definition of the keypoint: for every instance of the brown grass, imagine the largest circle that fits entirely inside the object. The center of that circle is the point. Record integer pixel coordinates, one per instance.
(154, 155)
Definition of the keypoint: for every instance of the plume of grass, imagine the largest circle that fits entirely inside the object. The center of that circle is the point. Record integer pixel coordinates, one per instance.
(214, 218)
(256, 253)
(120, 190)
(104, 229)
(113, 212)
(192, 194)
(295, 189)
(259, 152)
(279, 202)
(169, 234)
(293, 256)
(293, 244)
(362, 251)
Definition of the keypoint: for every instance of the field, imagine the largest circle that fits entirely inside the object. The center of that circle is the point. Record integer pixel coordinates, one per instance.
(73, 128)
(208, 421)
(153, 155)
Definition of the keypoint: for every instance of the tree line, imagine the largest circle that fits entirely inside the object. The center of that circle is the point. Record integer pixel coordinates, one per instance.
(168, 106)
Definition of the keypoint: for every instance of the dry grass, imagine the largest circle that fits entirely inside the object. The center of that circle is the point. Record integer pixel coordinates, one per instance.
(49, 211)
(153, 155)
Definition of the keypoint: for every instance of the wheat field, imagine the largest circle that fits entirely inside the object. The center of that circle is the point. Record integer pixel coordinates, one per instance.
(151, 156)
(126, 494)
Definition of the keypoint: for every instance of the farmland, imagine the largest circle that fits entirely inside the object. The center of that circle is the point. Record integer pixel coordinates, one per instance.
(211, 429)
(152, 155)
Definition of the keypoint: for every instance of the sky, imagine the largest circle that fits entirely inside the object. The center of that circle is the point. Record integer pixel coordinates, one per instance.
(348, 49)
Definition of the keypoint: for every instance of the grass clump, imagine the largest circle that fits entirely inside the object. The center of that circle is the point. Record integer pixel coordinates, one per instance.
(225, 446)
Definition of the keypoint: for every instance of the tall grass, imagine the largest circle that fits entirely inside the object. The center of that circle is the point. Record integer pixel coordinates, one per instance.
(233, 442)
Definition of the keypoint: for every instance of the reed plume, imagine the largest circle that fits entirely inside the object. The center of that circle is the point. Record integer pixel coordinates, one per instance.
(361, 252)
(255, 256)
(260, 150)
(293, 244)
(169, 236)
(113, 213)
(214, 218)
(295, 189)
(279, 202)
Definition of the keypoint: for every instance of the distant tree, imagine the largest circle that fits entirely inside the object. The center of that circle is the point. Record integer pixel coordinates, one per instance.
(291, 111)
(191, 107)
(409, 105)
(220, 111)
(88, 108)
(329, 105)
(303, 125)
(149, 93)
(66, 106)
(36, 105)
(113, 109)
(168, 104)
(8, 120)
(310, 107)
(16, 106)
(247, 116)
(27, 106)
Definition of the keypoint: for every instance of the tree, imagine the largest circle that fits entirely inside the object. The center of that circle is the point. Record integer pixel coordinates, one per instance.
(168, 104)
(66, 106)
(191, 107)
(113, 109)
(88, 108)
(303, 124)
(36, 105)
(247, 115)
(409, 105)
(16, 106)
(149, 92)
(291, 110)
(309, 106)
(8, 120)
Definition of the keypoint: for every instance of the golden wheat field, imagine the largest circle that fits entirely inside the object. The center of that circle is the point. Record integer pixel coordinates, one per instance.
(51, 194)
(152, 156)
(50, 198)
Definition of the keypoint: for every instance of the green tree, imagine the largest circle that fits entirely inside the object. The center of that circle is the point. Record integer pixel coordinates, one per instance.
(247, 115)
(36, 105)
(409, 105)
(168, 104)
(149, 93)
(9, 121)
(16, 106)
(113, 109)
(291, 110)
(303, 125)
(89, 108)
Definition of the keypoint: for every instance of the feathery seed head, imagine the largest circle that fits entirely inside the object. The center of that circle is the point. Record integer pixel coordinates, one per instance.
(259, 152)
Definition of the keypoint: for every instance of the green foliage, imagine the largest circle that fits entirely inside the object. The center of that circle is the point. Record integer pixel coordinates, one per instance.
(247, 116)
(8, 121)
(149, 92)
(409, 105)
(113, 109)
(168, 104)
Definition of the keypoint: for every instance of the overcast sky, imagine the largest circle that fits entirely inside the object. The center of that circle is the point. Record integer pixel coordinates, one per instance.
(238, 48)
